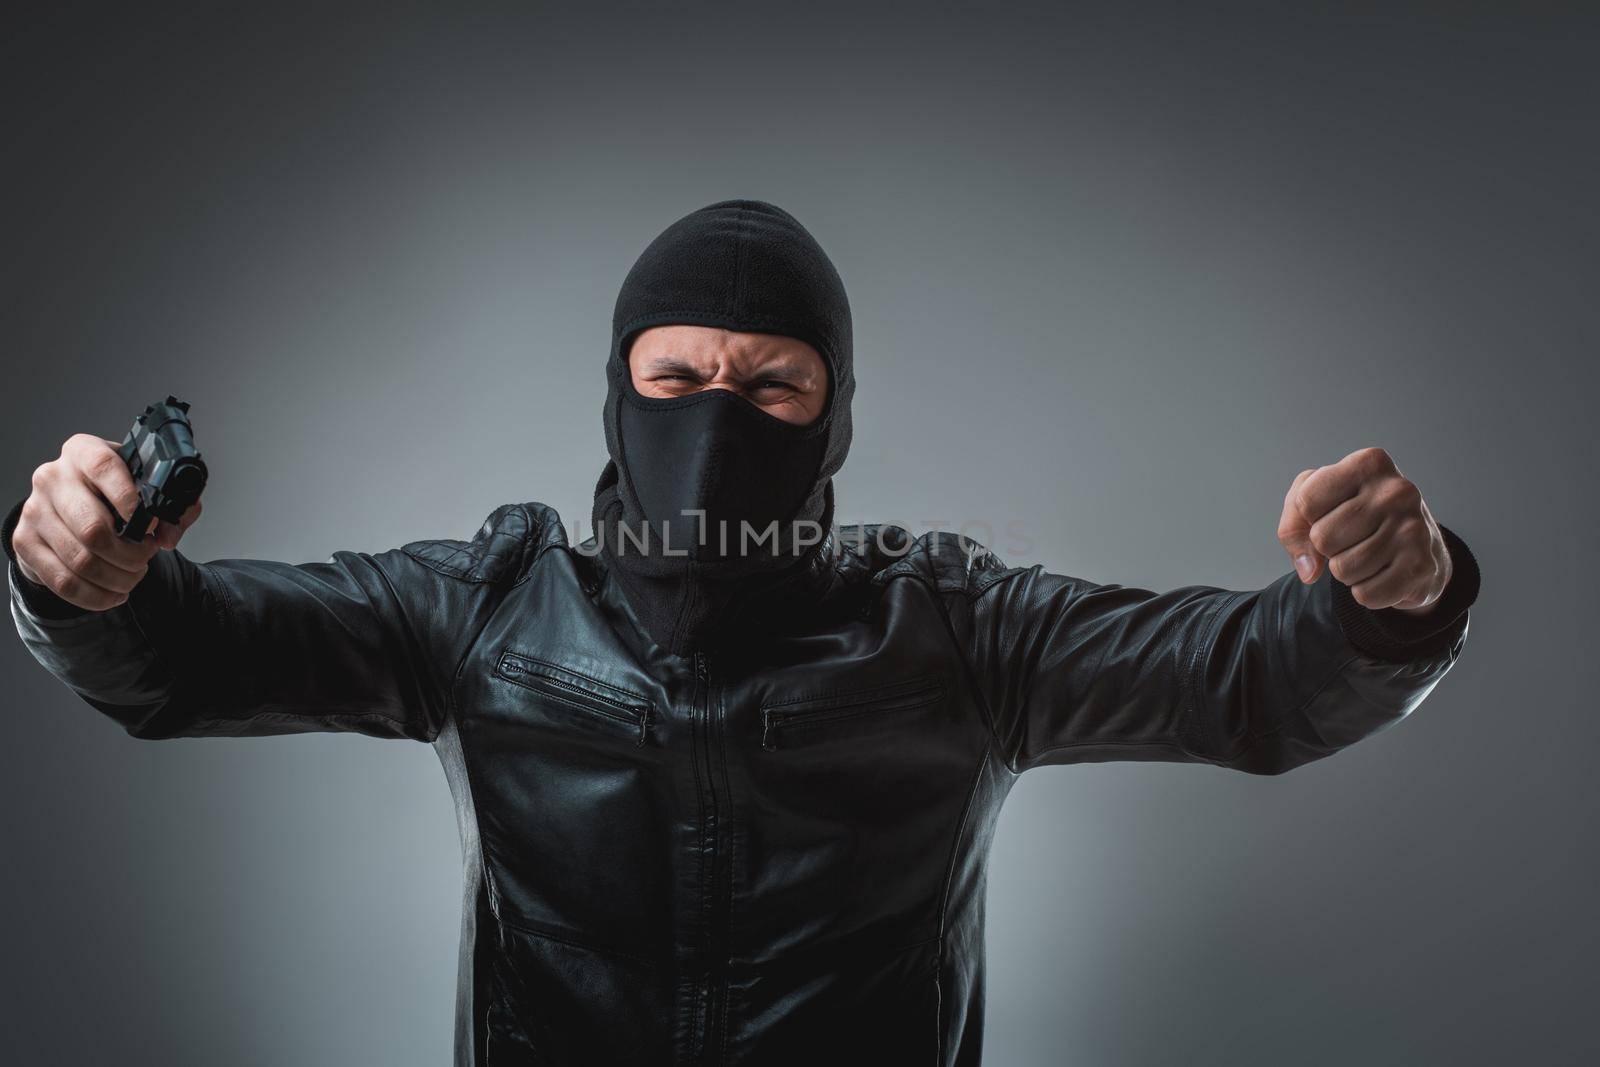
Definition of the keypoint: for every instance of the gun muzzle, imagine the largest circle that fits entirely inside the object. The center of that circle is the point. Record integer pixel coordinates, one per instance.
(165, 464)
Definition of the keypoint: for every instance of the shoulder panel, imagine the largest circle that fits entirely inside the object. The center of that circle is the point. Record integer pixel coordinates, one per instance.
(944, 559)
(504, 547)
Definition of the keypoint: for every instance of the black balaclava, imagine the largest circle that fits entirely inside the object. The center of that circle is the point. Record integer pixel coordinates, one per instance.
(742, 265)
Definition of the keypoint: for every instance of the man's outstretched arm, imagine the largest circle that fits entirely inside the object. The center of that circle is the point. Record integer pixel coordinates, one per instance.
(360, 642)
(1256, 680)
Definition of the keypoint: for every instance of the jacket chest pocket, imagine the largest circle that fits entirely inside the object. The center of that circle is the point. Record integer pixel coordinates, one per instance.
(787, 723)
(603, 704)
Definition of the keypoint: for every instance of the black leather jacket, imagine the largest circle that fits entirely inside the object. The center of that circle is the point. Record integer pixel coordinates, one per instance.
(777, 857)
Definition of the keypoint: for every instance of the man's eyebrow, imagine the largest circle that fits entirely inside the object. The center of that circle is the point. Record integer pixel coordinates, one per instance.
(671, 364)
(781, 368)
(784, 368)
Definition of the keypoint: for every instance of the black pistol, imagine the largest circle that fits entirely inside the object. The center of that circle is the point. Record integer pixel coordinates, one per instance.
(165, 465)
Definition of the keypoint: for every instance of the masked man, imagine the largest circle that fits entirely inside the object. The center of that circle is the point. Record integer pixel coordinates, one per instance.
(727, 775)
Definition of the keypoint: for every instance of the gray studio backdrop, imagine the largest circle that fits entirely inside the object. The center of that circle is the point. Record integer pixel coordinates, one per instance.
(1117, 277)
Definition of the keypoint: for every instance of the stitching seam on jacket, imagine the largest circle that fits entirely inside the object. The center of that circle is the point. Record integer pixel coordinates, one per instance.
(1300, 708)
(972, 676)
(966, 664)
(451, 708)
(973, 597)
(1009, 762)
(452, 713)
(1199, 657)
(292, 716)
(527, 572)
(949, 878)
(431, 727)
(444, 566)
(1250, 739)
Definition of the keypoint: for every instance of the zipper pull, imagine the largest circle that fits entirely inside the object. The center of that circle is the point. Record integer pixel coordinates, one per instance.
(644, 723)
(769, 740)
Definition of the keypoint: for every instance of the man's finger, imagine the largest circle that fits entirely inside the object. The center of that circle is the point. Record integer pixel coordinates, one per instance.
(107, 551)
(68, 584)
(1346, 526)
(1383, 590)
(168, 534)
(108, 569)
(103, 469)
(1363, 559)
(1294, 531)
(1332, 485)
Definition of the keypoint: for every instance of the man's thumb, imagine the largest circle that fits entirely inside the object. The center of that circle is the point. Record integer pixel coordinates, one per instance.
(1294, 533)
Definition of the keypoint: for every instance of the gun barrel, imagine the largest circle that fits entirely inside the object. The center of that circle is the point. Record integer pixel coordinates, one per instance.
(165, 465)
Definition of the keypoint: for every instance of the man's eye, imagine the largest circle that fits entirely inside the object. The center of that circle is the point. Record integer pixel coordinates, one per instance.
(771, 383)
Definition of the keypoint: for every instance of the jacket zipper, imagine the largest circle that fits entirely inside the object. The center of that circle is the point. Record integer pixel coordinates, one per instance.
(715, 934)
(635, 715)
(905, 697)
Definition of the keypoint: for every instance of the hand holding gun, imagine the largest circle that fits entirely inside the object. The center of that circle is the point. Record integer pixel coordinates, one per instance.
(85, 532)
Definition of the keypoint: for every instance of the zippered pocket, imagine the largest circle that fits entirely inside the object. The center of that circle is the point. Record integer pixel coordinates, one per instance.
(577, 691)
(812, 712)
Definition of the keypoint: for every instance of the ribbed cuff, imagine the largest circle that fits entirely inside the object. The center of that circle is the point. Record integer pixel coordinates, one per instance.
(1397, 637)
(38, 599)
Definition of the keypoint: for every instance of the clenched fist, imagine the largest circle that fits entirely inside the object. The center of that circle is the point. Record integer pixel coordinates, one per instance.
(64, 539)
(1370, 525)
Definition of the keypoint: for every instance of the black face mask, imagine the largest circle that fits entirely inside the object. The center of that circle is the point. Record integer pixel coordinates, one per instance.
(714, 474)
(757, 490)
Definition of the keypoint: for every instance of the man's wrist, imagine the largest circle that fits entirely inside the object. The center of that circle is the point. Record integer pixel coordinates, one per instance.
(1400, 636)
(1430, 610)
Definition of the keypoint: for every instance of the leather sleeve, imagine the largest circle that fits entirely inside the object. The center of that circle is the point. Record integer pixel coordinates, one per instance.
(365, 643)
(1254, 680)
